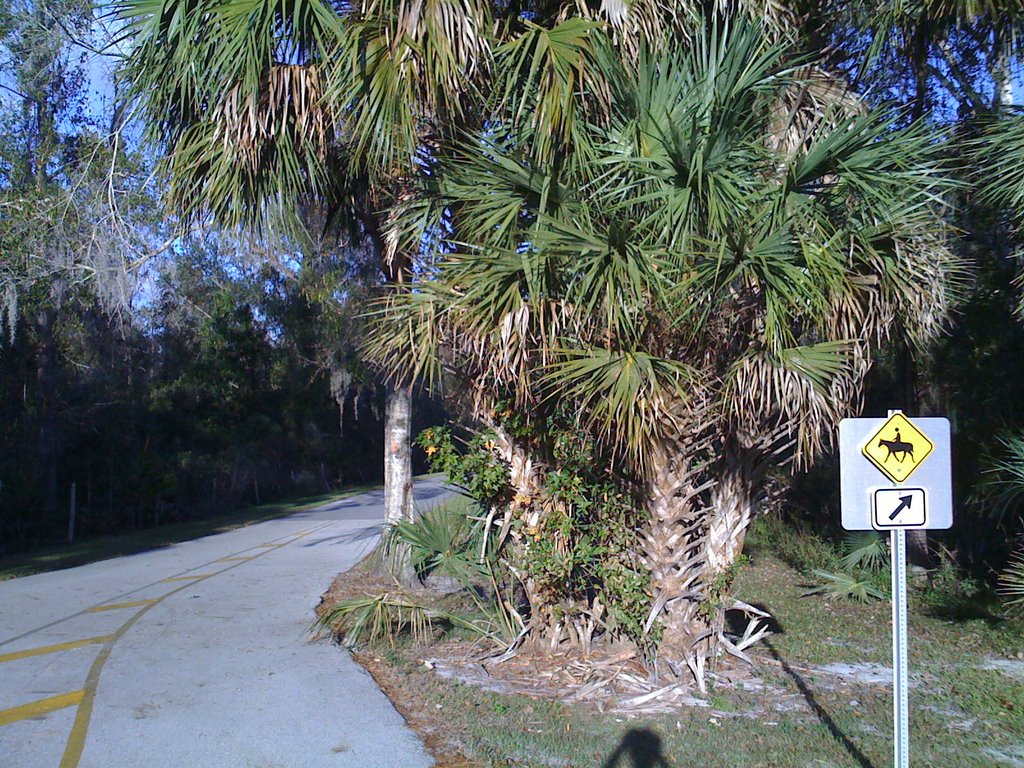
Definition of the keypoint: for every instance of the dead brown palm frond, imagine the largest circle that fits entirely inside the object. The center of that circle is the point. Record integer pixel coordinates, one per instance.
(458, 28)
(655, 21)
(799, 393)
(407, 333)
(815, 101)
(637, 23)
(930, 284)
(860, 310)
(289, 102)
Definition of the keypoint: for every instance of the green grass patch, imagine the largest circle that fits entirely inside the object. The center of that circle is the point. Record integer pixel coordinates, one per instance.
(90, 550)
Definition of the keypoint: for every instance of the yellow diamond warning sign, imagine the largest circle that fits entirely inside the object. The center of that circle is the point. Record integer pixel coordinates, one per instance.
(898, 448)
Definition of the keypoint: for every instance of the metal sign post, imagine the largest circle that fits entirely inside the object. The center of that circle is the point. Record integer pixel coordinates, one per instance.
(900, 678)
(876, 458)
(900, 703)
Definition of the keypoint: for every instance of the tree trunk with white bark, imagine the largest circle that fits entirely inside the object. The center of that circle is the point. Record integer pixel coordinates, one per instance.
(398, 466)
(398, 455)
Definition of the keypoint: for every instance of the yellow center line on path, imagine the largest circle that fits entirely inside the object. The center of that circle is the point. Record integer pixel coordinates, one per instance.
(116, 606)
(44, 649)
(194, 577)
(85, 698)
(41, 707)
(40, 628)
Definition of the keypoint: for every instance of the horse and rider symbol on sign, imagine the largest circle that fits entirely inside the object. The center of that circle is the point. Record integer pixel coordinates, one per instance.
(898, 448)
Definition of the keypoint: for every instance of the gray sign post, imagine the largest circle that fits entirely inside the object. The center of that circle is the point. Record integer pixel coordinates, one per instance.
(895, 475)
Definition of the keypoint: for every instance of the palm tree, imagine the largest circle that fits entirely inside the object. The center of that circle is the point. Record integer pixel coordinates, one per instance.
(701, 267)
(276, 114)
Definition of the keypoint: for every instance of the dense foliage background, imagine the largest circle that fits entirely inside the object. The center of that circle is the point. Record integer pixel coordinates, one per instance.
(167, 368)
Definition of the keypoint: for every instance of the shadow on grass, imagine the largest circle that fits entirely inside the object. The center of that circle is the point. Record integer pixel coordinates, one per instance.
(819, 711)
(641, 747)
(960, 607)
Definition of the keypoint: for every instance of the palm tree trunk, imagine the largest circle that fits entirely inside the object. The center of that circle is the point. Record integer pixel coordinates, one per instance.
(525, 481)
(676, 555)
(398, 455)
(398, 464)
(697, 530)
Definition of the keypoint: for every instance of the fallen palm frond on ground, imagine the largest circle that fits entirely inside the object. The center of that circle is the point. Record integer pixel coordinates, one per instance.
(386, 615)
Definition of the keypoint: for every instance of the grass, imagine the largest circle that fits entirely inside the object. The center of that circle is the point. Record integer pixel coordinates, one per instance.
(804, 717)
(90, 550)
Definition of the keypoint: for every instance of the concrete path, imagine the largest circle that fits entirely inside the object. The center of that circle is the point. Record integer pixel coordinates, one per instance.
(197, 656)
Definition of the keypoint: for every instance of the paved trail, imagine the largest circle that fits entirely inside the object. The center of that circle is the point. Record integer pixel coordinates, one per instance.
(197, 656)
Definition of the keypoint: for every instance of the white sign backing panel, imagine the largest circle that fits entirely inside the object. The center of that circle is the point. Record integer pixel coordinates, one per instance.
(860, 479)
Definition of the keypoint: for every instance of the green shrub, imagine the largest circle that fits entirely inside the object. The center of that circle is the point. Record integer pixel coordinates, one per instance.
(796, 546)
(1011, 582)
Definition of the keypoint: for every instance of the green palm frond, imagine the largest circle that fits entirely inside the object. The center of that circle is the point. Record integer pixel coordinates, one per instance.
(846, 586)
(866, 550)
(627, 397)
(442, 540)
(546, 71)
(1001, 490)
(999, 161)
(375, 618)
(818, 363)
(385, 617)
(1011, 581)
(689, 132)
(496, 191)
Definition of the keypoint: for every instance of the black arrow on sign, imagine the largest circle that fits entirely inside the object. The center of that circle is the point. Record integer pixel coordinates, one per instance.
(904, 504)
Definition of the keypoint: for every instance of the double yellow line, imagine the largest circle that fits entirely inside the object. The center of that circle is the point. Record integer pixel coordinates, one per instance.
(84, 698)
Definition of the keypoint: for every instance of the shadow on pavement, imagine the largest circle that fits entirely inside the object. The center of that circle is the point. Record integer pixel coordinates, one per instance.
(432, 493)
(362, 534)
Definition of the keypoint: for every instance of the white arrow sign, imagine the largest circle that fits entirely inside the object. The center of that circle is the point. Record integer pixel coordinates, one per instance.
(899, 508)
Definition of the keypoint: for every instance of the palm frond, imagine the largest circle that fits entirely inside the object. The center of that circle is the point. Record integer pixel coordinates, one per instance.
(626, 397)
(797, 393)
(846, 586)
(546, 72)
(387, 616)
(234, 90)
(1011, 581)
(406, 335)
(1001, 490)
(378, 617)
(866, 550)
(441, 540)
